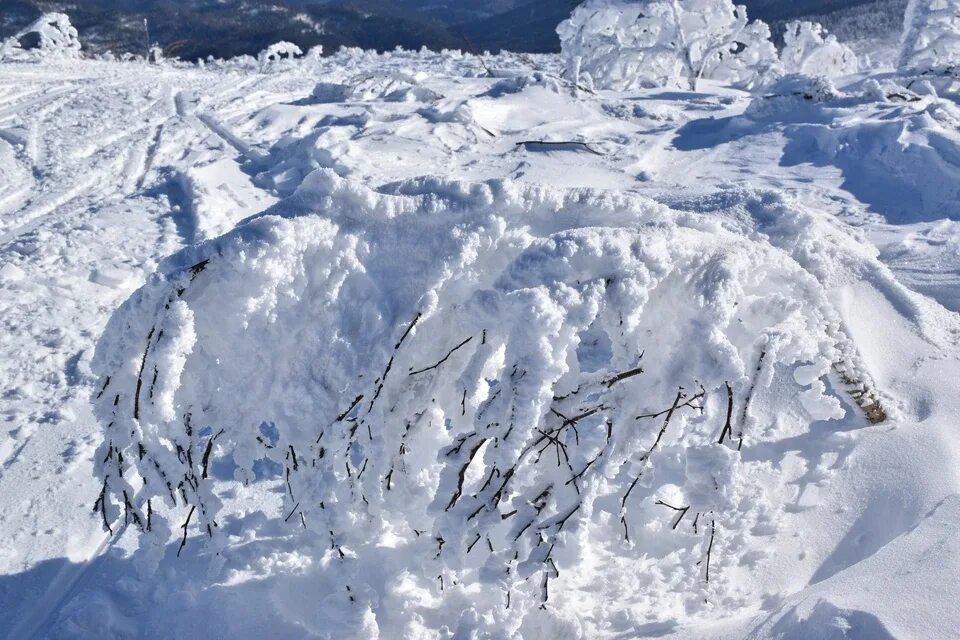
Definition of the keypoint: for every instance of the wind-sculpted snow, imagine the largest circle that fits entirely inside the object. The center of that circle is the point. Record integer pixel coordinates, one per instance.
(899, 151)
(489, 389)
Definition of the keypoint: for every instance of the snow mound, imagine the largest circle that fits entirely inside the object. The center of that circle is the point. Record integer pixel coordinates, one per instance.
(853, 604)
(51, 34)
(479, 395)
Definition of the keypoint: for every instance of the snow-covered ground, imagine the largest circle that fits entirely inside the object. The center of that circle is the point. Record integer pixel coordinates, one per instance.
(517, 250)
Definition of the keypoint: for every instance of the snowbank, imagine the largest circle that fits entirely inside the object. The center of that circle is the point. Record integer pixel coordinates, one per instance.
(473, 393)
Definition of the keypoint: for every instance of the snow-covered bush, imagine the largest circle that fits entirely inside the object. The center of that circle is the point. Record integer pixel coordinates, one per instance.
(798, 87)
(809, 49)
(277, 55)
(390, 87)
(623, 44)
(469, 391)
(931, 35)
(51, 34)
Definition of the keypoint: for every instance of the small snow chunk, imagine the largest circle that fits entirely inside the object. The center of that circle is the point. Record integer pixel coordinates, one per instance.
(110, 277)
(11, 273)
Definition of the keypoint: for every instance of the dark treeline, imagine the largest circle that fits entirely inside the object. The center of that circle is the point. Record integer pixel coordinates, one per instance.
(194, 29)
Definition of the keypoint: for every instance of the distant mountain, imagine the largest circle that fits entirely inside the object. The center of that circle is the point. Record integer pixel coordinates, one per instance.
(531, 26)
(195, 29)
(459, 11)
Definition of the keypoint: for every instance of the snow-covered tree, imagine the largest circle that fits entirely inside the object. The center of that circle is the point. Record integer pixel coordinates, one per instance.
(619, 44)
(931, 35)
(51, 34)
(810, 50)
(277, 54)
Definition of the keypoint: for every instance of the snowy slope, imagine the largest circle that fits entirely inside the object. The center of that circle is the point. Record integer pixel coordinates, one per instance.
(261, 244)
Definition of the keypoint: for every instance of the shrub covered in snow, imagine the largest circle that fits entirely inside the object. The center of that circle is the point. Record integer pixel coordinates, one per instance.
(810, 50)
(623, 44)
(931, 35)
(277, 54)
(469, 391)
(51, 34)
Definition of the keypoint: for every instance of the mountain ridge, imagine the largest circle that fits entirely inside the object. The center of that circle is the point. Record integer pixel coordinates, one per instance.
(197, 29)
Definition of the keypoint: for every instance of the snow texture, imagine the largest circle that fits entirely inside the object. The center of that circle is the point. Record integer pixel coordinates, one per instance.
(451, 365)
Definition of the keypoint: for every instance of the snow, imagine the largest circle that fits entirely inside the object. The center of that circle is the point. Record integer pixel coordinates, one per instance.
(416, 336)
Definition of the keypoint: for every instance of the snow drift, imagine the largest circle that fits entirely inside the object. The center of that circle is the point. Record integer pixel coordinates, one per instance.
(478, 391)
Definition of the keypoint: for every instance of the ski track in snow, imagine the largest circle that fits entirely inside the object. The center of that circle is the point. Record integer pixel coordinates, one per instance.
(124, 164)
(89, 190)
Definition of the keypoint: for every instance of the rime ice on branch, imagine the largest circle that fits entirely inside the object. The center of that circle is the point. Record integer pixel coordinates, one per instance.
(931, 35)
(621, 44)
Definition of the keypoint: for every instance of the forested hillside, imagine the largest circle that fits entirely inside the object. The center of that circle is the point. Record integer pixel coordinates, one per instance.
(196, 29)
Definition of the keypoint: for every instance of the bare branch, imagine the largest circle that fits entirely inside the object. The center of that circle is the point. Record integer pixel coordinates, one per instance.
(442, 360)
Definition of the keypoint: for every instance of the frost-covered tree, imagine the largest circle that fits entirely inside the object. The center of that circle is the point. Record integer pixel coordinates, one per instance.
(51, 34)
(618, 44)
(810, 50)
(277, 54)
(931, 35)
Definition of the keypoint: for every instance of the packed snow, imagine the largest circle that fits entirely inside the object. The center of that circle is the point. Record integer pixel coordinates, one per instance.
(640, 340)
